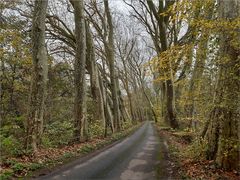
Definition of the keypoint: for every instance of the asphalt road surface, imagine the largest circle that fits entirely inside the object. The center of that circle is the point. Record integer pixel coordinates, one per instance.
(135, 158)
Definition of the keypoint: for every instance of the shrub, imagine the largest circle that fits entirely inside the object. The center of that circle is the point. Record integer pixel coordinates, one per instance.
(126, 125)
(96, 129)
(35, 166)
(10, 146)
(7, 174)
(18, 167)
(57, 133)
(197, 149)
(86, 149)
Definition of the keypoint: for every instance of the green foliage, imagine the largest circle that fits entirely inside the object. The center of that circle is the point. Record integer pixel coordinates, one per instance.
(102, 143)
(197, 149)
(68, 155)
(46, 142)
(126, 124)
(7, 174)
(19, 167)
(96, 129)
(10, 146)
(35, 166)
(86, 149)
(230, 146)
(57, 133)
(9, 162)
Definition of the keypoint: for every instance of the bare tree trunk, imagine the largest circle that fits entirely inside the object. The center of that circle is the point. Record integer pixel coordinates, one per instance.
(171, 115)
(125, 79)
(129, 101)
(149, 101)
(94, 79)
(126, 85)
(39, 77)
(163, 99)
(107, 105)
(223, 131)
(111, 59)
(131, 106)
(79, 70)
(123, 111)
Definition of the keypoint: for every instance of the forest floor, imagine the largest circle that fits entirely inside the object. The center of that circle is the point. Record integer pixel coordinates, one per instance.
(49, 159)
(184, 162)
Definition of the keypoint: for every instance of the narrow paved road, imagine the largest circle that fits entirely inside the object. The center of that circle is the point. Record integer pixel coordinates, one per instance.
(136, 158)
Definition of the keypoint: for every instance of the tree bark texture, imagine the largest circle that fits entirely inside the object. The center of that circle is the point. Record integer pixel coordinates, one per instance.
(111, 60)
(79, 70)
(94, 79)
(170, 115)
(223, 131)
(39, 76)
(195, 81)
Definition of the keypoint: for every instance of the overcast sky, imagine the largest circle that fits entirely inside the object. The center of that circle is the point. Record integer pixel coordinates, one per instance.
(119, 5)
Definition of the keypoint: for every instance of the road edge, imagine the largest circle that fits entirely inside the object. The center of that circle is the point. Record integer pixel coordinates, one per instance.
(80, 158)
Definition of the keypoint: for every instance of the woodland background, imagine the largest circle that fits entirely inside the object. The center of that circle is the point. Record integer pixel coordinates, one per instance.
(75, 71)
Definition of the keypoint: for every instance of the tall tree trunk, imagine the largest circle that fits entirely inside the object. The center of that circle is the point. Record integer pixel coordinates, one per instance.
(103, 81)
(111, 60)
(171, 114)
(149, 102)
(126, 84)
(39, 76)
(163, 99)
(79, 70)
(123, 111)
(201, 57)
(195, 80)
(109, 105)
(107, 109)
(170, 111)
(223, 131)
(94, 79)
(130, 102)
